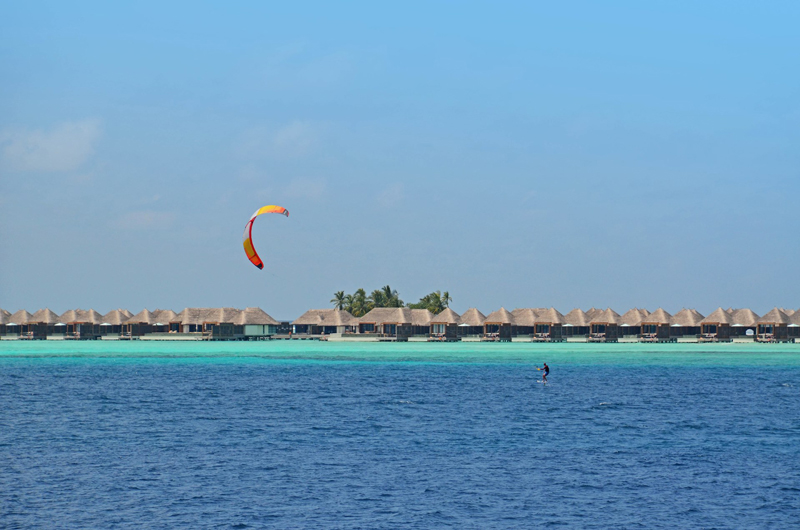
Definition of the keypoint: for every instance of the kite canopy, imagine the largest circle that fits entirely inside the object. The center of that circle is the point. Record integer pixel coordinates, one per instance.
(249, 249)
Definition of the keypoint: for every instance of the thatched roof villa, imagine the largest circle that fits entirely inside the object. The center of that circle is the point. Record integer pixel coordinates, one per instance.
(576, 323)
(396, 322)
(631, 321)
(256, 322)
(604, 326)
(17, 323)
(471, 325)
(43, 323)
(717, 326)
(744, 322)
(655, 327)
(445, 325)
(113, 322)
(498, 325)
(773, 327)
(686, 322)
(325, 321)
(541, 324)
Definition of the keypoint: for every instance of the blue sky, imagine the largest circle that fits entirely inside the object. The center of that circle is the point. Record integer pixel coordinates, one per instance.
(567, 154)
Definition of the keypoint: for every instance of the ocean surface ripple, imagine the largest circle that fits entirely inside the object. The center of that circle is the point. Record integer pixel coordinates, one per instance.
(288, 436)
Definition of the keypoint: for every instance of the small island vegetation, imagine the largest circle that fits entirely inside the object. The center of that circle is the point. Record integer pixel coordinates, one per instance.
(359, 303)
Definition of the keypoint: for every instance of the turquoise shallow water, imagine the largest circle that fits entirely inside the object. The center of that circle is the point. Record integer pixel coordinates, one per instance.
(321, 435)
(515, 353)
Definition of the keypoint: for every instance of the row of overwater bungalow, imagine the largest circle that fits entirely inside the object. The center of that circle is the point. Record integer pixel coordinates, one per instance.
(549, 325)
(192, 323)
(404, 324)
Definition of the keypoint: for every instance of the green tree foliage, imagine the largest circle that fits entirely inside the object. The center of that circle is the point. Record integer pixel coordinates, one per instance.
(359, 304)
(434, 302)
(338, 300)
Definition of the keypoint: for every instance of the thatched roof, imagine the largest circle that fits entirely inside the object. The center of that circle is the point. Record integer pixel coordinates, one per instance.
(448, 316)
(387, 315)
(719, 316)
(4, 316)
(795, 317)
(525, 316)
(592, 311)
(81, 316)
(578, 317)
(473, 317)
(633, 317)
(326, 317)
(115, 317)
(789, 312)
(257, 316)
(609, 316)
(159, 316)
(398, 315)
(6, 313)
(776, 316)
(687, 317)
(501, 316)
(20, 317)
(421, 317)
(744, 317)
(659, 316)
(142, 317)
(549, 316)
(208, 315)
(44, 316)
(165, 316)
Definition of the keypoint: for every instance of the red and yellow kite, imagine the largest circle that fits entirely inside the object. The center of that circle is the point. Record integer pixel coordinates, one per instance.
(249, 249)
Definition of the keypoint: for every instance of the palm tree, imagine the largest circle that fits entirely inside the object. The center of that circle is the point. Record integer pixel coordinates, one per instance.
(446, 299)
(391, 297)
(359, 303)
(433, 302)
(377, 298)
(348, 303)
(338, 300)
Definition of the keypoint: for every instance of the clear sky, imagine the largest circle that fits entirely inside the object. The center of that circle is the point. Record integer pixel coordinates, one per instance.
(519, 154)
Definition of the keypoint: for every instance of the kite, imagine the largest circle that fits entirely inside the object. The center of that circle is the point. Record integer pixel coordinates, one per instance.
(249, 249)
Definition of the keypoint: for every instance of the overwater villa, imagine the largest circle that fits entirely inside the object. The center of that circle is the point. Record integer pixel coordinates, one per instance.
(686, 323)
(43, 323)
(794, 326)
(18, 323)
(548, 325)
(325, 322)
(577, 323)
(716, 327)
(744, 323)
(81, 324)
(498, 326)
(773, 327)
(113, 321)
(631, 322)
(224, 323)
(444, 326)
(4, 316)
(471, 326)
(396, 323)
(655, 327)
(604, 326)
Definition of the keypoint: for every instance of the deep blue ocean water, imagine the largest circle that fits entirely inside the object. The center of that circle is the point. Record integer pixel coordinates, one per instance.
(315, 435)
